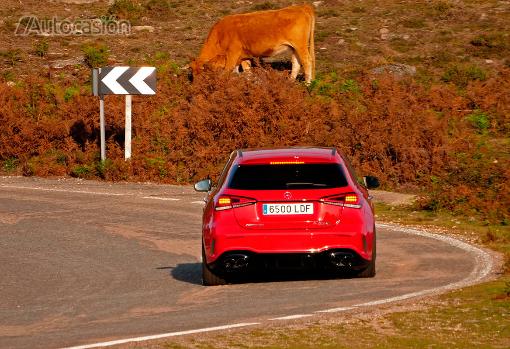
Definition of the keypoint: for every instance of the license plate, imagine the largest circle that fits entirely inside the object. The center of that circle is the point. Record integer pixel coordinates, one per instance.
(287, 209)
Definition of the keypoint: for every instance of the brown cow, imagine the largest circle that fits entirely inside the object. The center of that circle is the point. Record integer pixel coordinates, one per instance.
(236, 38)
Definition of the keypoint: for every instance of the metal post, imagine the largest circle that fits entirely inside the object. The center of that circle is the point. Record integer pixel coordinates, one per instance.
(127, 137)
(102, 127)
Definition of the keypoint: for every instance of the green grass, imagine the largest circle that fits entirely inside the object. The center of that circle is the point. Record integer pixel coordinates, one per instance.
(476, 317)
(10, 164)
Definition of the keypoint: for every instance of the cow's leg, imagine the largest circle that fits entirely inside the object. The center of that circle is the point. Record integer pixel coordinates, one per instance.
(306, 61)
(232, 62)
(295, 66)
(246, 65)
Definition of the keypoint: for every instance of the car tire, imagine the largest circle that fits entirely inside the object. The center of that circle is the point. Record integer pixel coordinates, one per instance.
(369, 272)
(208, 277)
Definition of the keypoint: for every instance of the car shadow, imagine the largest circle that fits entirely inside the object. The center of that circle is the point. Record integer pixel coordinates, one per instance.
(192, 273)
(186, 272)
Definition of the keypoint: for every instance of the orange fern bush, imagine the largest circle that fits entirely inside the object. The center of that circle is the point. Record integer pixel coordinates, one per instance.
(449, 144)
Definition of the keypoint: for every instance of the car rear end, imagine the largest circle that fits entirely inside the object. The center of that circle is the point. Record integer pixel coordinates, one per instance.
(288, 209)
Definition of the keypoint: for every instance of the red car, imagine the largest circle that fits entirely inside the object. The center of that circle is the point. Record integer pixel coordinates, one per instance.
(288, 208)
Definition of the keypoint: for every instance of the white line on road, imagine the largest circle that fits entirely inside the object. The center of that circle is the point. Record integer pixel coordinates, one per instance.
(65, 190)
(201, 202)
(291, 317)
(160, 198)
(483, 266)
(335, 310)
(163, 335)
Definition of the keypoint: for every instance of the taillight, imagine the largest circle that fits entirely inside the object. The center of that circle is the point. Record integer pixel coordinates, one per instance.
(344, 200)
(228, 202)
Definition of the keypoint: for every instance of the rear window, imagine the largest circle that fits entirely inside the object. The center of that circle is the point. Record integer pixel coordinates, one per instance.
(289, 176)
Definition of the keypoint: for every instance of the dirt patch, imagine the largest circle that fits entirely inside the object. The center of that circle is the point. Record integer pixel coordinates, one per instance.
(392, 198)
(9, 218)
(49, 323)
(152, 240)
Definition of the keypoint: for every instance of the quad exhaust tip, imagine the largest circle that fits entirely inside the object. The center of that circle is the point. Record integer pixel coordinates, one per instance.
(341, 259)
(235, 262)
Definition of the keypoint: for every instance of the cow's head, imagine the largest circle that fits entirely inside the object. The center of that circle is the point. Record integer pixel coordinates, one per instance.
(198, 66)
(195, 67)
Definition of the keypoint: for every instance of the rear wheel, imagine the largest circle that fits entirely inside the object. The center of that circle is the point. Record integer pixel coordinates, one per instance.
(208, 277)
(369, 272)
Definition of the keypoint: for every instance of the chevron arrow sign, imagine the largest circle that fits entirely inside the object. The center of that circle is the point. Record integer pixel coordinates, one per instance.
(125, 81)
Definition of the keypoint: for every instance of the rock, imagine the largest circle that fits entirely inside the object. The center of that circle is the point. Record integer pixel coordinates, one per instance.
(62, 63)
(317, 3)
(398, 70)
(385, 33)
(340, 41)
(489, 61)
(483, 16)
(406, 36)
(143, 28)
(11, 83)
(323, 48)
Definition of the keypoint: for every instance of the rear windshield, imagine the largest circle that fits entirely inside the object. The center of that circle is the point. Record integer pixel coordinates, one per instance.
(293, 176)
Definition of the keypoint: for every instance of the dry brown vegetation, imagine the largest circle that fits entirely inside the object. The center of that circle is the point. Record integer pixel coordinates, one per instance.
(409, 135)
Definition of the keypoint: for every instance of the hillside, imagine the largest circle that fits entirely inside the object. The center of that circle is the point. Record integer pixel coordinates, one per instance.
(416, 92)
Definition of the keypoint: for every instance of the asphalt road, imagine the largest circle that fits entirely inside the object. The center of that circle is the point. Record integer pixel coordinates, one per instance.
(84, 262)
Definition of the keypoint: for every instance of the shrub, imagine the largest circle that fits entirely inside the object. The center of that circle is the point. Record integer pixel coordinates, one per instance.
(124, 9)
(12, 56)
(463, 75)
(10, 164)
(479, 120)
(70, 92)
(81, 171)
(327, 13)
(264, 6)
(407, 134)
(96, 55)
(41, 48)
(158, 5)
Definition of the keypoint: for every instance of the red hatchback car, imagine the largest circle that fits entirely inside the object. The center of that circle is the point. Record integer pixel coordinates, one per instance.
(288, 208)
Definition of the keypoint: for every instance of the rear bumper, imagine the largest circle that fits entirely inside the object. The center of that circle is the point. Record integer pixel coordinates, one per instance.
(288, 242)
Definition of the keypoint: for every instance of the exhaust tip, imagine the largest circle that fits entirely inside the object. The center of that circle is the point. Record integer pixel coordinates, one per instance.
(235, 262)
(341, 259)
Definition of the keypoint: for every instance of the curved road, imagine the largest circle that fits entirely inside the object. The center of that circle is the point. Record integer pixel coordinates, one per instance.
(84, 262)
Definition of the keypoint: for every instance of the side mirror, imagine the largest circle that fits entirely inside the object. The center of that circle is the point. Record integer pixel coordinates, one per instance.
(203, 185)
(371, 182)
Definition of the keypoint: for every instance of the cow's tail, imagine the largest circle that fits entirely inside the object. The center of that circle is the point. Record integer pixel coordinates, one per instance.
(311, 45)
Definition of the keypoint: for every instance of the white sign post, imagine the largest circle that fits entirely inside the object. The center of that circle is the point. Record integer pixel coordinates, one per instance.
(127, 140)
(122, 81)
